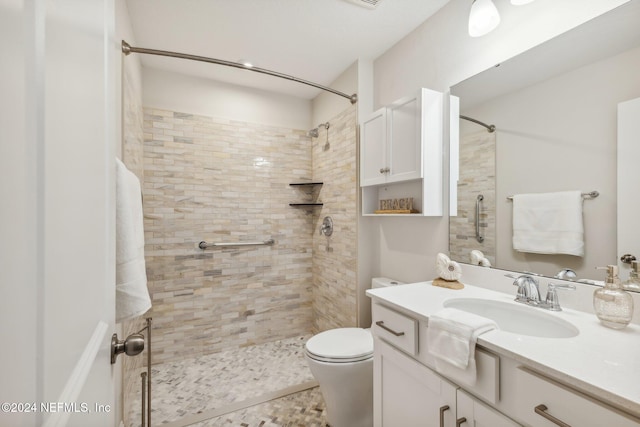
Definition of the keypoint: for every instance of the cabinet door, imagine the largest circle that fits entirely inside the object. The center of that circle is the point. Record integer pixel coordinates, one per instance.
(408, 394)
(477, 414)
(373, 141)
(405, 139)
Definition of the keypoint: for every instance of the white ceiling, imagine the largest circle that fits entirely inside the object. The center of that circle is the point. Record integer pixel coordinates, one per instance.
(314, 40)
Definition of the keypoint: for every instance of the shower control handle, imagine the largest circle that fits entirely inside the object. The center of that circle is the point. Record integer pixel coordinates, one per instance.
(327, 226)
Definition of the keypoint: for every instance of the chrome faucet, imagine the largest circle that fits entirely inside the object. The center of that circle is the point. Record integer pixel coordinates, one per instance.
(529, 292)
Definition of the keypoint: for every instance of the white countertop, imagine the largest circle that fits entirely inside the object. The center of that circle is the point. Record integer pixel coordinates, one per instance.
(599, 361)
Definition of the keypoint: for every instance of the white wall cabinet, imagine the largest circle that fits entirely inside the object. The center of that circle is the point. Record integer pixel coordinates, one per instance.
(402, 143)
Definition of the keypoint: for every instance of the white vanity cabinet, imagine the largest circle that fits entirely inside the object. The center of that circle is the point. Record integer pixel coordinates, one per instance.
(401, 148)
(408, 392)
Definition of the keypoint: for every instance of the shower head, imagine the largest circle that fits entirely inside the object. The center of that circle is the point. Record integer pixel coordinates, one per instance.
(313, 133)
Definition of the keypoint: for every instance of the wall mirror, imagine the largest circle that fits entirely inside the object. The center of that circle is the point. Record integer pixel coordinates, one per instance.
(555, 109)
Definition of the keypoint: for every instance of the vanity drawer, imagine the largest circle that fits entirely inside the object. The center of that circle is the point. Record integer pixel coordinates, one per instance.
(395, 328)
(545, 403)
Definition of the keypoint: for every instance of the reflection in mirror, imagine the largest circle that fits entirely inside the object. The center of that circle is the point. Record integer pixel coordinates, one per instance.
(555, 112)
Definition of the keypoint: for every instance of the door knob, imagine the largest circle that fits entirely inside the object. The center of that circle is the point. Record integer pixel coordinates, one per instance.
(131, 346)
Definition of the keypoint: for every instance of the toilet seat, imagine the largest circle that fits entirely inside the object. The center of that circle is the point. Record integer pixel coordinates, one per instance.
(341, 345)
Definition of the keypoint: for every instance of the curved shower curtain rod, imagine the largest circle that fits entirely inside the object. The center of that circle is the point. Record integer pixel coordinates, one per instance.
(490, 128)
(127, 49)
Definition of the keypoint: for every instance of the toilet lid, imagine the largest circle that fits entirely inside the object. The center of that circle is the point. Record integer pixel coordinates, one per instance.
(341, 345)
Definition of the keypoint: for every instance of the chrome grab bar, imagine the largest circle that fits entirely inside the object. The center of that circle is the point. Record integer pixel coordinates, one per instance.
(205, 245)
(479, 200)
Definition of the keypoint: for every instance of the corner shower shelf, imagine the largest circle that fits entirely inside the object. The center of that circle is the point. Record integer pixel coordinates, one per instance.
(306, 183)
(311, 185)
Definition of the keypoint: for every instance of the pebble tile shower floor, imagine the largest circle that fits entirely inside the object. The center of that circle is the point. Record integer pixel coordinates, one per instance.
(201, 391)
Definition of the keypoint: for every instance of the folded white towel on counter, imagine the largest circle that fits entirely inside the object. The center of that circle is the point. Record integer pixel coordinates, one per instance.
(451, 339)
(548, 223)
(132, 295)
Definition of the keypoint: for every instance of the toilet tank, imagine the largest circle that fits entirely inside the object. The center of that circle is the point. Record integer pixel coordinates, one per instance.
(383, 282)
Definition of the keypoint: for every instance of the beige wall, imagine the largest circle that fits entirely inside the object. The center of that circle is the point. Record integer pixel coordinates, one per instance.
(206, 97)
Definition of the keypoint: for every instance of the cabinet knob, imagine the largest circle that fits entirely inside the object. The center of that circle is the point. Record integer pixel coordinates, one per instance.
(385, 170)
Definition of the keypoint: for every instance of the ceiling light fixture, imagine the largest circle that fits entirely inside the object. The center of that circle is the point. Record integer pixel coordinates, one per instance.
(483, 18)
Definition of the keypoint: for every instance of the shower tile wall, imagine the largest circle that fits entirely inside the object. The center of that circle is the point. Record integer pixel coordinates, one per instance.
(224, 181)
(334, 258)
(477, 176)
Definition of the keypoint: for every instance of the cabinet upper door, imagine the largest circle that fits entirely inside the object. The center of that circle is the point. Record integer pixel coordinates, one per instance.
(405, 139)
(373, 140)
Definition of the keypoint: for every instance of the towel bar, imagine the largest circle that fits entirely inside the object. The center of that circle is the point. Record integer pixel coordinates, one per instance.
(589, 195)
(205, 245)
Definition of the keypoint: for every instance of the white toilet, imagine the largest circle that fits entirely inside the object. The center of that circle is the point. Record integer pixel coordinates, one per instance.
(341, 360)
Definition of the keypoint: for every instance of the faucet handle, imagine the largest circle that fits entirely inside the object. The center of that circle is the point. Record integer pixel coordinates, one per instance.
(552, 301)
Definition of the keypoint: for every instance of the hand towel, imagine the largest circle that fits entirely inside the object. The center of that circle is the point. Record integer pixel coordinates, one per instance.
(451, 339)
(132, 295)
(548, 223)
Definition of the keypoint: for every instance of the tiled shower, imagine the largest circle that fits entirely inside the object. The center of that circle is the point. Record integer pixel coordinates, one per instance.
(220, 180)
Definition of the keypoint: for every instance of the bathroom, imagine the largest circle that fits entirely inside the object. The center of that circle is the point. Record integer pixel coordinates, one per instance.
(56, 242)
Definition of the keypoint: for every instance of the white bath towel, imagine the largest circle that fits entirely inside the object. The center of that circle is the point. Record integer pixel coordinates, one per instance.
(548, 223)
(132, 295)
(451, 339)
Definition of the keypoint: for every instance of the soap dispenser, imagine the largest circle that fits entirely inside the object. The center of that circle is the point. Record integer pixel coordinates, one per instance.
(633, 284)
(613, 305)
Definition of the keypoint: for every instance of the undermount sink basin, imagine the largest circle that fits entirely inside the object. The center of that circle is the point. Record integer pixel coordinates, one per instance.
(518, 319)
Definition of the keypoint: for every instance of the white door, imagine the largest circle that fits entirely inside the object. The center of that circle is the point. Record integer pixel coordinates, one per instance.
(628, 179)
(57, 133)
